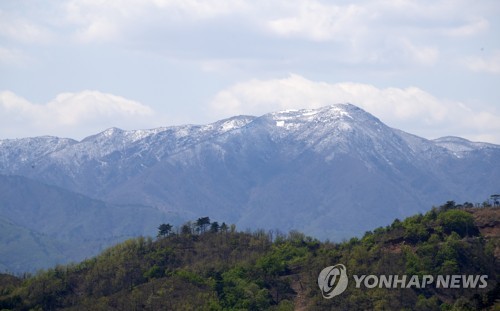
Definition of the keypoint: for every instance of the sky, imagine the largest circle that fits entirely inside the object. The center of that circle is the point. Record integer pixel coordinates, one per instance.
(73, 68)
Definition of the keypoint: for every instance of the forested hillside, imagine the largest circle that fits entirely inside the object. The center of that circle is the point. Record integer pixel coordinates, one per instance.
(207, 266)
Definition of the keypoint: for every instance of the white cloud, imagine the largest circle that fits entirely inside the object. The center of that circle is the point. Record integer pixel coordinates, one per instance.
(489, 64)
(161, 44)
(469, 28)
(23, 30)
(423, 55)
(98, 20)
(320, 22)
(12, 56)
(308, 19)
(201, 9)
(410, 109)
(74, 115)
(323, 21)
(374, 31)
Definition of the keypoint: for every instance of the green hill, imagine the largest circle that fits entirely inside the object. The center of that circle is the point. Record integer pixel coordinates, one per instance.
(223, 269)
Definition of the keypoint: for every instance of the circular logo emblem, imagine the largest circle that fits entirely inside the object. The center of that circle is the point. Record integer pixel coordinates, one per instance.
(333, 281)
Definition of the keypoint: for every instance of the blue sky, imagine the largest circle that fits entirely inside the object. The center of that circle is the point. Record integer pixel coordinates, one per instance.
(73, 68)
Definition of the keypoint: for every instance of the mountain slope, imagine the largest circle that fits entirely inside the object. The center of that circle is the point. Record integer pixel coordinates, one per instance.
(231, 270)
(320, 171)
(331, 172)
(65, 226)
(22, 250)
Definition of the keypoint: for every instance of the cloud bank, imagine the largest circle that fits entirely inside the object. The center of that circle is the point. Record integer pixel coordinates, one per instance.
(73, 115)
(77, 115)
(374, 31)
(489, 64)
(159, 51)
(410, 109)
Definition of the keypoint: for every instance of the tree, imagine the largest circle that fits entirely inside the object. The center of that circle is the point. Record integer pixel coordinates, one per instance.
(496, 199)
(202, 223)
(458, 221)
(186, 229)
(164, 230)
(214, 227)
(223, 227)
(448, 205)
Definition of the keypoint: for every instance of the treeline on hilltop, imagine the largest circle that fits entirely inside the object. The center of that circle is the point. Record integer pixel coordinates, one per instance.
(200, 226)
(206, 266)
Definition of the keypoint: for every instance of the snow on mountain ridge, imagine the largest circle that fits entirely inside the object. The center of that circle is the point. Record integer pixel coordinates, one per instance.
(331, 129)
(460, 146)
(304, 164)
(15, 153)
(331, 112)
(117, 140)
(334, 128)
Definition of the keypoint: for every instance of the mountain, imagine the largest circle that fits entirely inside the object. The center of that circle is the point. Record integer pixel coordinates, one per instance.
(22, 249)
(232, 270)
(331, 172)
(42, 225)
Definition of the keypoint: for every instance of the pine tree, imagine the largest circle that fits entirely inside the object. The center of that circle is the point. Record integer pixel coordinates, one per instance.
(164, 230)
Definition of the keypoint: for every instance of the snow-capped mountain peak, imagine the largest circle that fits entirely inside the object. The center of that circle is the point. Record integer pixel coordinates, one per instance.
(295, 169)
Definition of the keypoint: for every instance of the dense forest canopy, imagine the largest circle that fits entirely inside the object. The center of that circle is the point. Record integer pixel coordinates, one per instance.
(204, 265)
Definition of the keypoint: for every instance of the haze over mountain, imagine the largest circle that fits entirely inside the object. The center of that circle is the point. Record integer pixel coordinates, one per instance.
(332, 172)
(43, 225)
